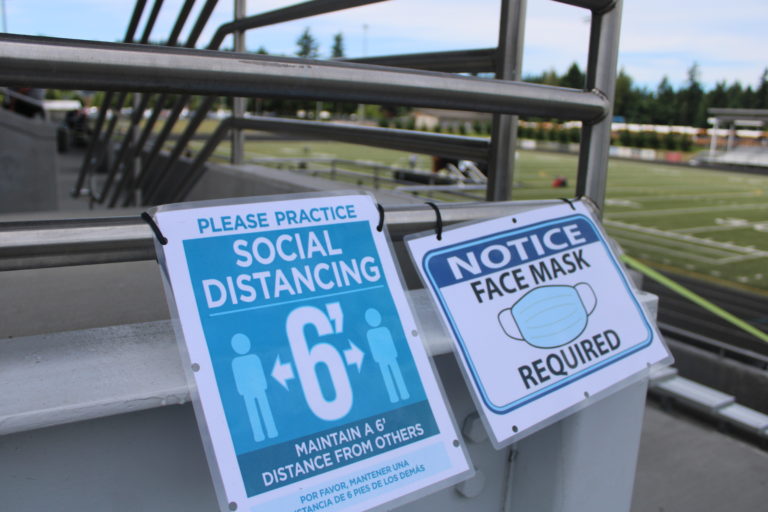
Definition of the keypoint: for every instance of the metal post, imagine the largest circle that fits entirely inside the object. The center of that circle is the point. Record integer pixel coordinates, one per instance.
(509, 64)
(731, 136)
(713, 140)
(601, 79)
(238, 104)
(86, 166)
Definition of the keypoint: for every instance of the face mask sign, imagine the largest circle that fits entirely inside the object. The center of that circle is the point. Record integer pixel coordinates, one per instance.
(541, 313)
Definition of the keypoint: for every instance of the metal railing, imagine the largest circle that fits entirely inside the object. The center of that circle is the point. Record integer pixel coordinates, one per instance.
(419, 80)
(56, 243)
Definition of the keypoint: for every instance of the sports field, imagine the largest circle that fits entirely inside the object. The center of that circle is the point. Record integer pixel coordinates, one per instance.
(708, 224)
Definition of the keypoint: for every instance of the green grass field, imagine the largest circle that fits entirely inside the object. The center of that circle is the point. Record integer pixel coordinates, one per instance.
(708, 224)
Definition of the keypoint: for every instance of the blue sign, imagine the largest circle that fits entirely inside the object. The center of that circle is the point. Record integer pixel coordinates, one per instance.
(300, 317)
(307, 347)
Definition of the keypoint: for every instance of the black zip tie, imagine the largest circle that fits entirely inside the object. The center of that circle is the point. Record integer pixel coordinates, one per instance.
(381, 217)
(569, 203)
(149, 220)
(438, 220)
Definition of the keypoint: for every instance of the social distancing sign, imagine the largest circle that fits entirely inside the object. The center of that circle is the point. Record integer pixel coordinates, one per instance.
(541, 313)
(314, 389)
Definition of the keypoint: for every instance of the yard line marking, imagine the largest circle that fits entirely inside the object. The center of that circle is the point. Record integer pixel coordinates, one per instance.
(682, 197)
(721, 227)
(683, 237)
(701, 209)
(663, 250)
(677, 244)
(745, 257)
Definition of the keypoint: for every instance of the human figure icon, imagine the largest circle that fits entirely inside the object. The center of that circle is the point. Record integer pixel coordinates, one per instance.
(385, 354)
(251, 383)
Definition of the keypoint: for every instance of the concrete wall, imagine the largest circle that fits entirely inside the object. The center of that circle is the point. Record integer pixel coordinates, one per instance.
(28, 164)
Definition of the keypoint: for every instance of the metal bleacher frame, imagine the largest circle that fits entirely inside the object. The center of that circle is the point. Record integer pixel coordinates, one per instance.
(120, 67)
(419, 80)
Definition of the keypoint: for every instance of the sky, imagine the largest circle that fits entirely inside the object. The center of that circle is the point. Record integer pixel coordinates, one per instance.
(728, 40)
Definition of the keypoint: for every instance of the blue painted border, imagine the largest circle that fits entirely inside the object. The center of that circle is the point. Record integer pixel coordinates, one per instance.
(501, 409)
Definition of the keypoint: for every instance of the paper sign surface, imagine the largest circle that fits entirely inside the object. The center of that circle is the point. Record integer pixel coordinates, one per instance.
(541, 313)
(314, 390)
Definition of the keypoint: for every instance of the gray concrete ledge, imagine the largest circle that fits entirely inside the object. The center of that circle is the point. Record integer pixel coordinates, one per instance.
(58, 378)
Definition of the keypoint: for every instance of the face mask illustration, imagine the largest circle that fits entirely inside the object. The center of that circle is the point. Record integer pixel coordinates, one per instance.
(549, 316)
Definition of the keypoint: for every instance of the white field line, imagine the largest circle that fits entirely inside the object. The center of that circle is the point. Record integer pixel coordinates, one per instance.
(720, 227)
(685, 238)
(701, 209)
(734, 259)
(692, 197)
(686, 255)
(677, 244)
(639, 189)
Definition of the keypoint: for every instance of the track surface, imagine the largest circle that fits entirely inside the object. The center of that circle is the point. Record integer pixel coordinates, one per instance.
(680, 312)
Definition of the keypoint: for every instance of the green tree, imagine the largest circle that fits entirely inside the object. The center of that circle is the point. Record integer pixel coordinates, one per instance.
(574, 78)
(664, 105)
(735, 95)
(690, 99)
(762, 91)
(622, 97)
(337, 51)
(308, 46)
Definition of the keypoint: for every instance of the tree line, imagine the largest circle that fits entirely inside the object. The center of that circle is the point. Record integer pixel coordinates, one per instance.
(686, 106)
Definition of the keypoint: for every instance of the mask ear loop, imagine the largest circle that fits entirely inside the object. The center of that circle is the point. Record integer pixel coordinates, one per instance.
(438, 220)
(380, 227)
(155, 228)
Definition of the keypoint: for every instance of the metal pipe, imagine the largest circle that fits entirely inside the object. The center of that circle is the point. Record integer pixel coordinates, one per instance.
(92, 65)
(289, 13)
(601, 80)
(119, 104)
(133, 24)
(509, 66)
(159, 179)
(449, 146)
(41, 244)
(138, 10)
(238, 104)
(23, 97)
(594, 5)
(461, 61)
(194, 35)
(181, 19)
(132, 152)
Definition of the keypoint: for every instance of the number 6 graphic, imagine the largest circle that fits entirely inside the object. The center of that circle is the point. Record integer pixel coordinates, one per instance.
(306, 360)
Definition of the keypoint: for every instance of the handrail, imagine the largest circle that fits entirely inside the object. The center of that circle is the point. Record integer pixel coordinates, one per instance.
(457, 61)
(42, 244)
(194, 35)
(138, 10)
(126, 153)
(450, 146)
(594, 5)
(94, 65)
(281, 15)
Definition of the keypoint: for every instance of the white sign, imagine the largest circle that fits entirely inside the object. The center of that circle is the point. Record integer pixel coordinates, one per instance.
(541, 313)
(315, 391)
